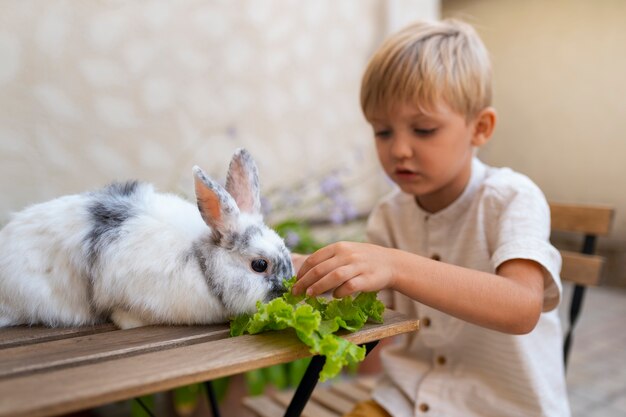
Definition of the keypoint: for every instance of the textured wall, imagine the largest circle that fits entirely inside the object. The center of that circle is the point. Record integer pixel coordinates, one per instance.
(95, 91)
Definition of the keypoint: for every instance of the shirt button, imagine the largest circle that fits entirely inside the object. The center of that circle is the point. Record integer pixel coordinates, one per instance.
(441, 360)
(424, 407)
(426, 322)
(435, 257)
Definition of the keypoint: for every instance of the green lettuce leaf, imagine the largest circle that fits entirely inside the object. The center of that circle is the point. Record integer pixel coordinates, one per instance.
(315, 321)
(239, 324)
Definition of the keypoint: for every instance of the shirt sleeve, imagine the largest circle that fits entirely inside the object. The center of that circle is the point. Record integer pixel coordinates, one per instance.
(522, 231)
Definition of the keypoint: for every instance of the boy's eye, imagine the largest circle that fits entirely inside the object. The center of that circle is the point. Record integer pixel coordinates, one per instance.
(425, 132)
(382, 133)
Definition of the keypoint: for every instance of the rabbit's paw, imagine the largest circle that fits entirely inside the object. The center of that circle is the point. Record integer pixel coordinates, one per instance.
(125, 320)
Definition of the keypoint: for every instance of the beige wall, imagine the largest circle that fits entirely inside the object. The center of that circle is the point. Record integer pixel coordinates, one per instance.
(560, 91)
(94, 91)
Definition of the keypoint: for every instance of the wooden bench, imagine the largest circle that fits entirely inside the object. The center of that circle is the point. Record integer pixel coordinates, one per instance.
(580, 268)
(45, 372)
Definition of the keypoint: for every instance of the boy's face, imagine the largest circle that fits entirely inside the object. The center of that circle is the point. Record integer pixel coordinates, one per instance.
(428, 154)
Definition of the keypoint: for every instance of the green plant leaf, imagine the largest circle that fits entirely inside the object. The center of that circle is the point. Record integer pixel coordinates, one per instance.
(277, 375)
(306, 241)
(255, 381)
(239, 324)
(220, 388)
(296, 371)
(315, 321)
(371, 305)
(136, 410)
(339, 352)
(349, 315)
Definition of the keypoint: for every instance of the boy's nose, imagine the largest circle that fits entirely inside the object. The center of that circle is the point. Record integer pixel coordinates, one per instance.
(401, 147)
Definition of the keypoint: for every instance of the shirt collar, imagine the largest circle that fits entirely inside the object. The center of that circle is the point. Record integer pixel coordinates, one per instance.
(461, 204)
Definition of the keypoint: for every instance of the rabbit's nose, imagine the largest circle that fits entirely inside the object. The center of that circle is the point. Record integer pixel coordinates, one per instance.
(277, 290)
(274, 294)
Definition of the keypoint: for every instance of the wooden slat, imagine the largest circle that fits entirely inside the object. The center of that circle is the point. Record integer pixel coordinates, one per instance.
(311, 409)
(332, 400)
(351, 391)
(581, 269)
(367, 382)
(23, 335)
(102, 346)
(264, 406)
(75, 388)
(595, 220)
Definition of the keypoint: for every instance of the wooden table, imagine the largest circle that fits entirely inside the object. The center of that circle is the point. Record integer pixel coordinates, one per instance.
(45, 372)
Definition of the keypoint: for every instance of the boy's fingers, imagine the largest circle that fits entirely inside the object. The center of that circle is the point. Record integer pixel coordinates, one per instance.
(324, 277)
(349, 287)
(336, 277)
(315, 259)
(312, 274)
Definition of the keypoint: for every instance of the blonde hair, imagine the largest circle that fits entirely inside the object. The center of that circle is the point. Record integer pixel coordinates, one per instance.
(427, 62)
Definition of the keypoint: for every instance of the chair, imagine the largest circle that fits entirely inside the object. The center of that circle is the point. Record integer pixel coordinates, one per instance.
(583, 268)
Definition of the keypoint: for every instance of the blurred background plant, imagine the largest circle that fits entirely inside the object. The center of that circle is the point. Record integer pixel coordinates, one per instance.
(311, 213)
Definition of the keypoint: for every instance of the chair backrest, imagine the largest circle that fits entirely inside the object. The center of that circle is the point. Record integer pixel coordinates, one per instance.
(582, 268)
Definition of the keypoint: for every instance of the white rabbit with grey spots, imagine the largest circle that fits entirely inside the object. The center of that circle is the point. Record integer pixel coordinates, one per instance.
(136, 257)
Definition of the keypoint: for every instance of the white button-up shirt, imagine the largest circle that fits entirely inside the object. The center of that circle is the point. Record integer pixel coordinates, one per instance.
(453, 368)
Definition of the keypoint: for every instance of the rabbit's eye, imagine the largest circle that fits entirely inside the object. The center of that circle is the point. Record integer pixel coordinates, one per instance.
(259, 265)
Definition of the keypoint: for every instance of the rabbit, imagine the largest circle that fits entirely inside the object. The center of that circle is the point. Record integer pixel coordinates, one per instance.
(130, 255)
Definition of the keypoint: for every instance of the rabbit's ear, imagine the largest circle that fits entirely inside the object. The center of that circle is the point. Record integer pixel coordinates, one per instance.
(242, 182)
(217, 207)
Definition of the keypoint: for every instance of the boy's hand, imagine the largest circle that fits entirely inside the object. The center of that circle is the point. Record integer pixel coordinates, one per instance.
(346, 268)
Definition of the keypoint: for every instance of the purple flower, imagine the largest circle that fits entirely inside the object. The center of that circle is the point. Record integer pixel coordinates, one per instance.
(341, 209)
(336, 216)
(292, 239)
(331, 185)
(349, 211)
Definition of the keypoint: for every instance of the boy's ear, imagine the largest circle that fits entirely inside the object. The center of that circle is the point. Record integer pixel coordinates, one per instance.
(484, 125)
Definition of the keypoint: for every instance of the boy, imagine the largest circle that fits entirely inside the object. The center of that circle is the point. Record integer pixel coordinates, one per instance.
(464, 247)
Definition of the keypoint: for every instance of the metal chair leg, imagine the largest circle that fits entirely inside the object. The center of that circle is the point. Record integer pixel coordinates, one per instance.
(215, 411)
(308, 382)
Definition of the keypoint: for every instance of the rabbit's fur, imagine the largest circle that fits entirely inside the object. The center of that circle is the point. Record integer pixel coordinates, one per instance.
(128, 254)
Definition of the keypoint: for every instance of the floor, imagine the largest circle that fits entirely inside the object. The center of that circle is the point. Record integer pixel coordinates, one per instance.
(596, 374)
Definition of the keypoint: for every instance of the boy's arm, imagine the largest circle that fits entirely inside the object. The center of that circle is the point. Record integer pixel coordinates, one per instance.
(510, 301)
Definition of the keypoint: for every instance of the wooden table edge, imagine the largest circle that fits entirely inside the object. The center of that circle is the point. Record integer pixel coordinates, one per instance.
(49, 397)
